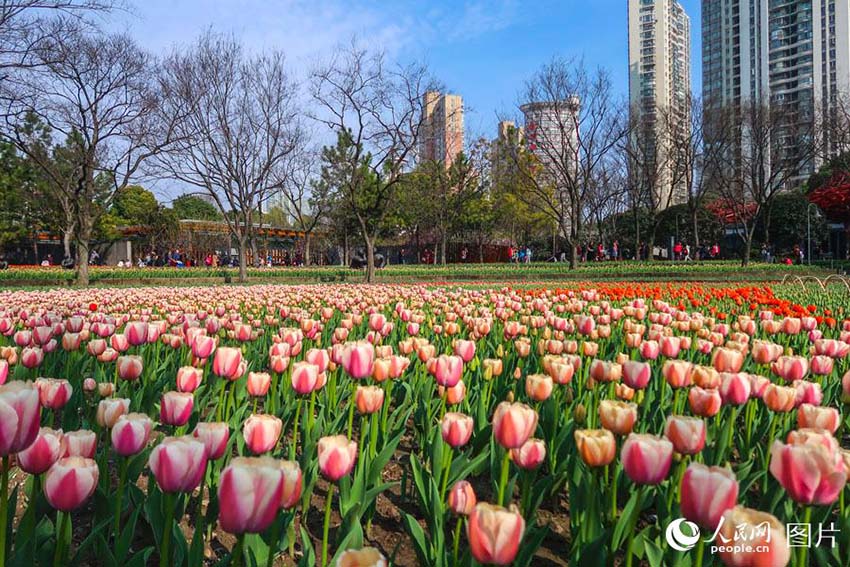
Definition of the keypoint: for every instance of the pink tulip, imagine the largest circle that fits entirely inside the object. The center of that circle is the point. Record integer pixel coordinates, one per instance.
(131, 433)
(258, 384)
(778, 398)
(53, 393)
(617, 417)
(446, 369)
(494, 533)
(670, 346)
(735, 388)
(677, 373)
(178, 463)
(129, 367)
(292, 480)
(337, 456)
(817, 417)
(89, 385)
(456, 429)
(261, 432)
(810, 473)
(465, 349)
(704, 402)
(136, 332)
(453, 395)
(462, 498)
(636, 374)
(32, 357)
(20, 414)
(686, 433)
(48, 447)
(513, 424)
(70, 482)
(110, 409)
(357, 359)
(766, 545)
(250, 491)
(214, 436)
(538, 387)
(227, 362)
(530, 455)
(305, 377)
(727, 360)
(646, 458)
(4, 371)
(791, 368)
(707, 493)
(175, 408)
(649, 350)
(203, 346)
(189, 378)
(822, 365)
(81, 443)
(119, 343)
(807, 392)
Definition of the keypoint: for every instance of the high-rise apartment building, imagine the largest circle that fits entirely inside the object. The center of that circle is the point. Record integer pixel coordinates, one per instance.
(441, 133)
(660, 84)
(794, 53)
(550, 132)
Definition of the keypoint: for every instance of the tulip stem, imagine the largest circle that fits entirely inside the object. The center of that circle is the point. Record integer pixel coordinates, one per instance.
(807, 520)
(62, 535)
(311, 414)
(327, 525)
(446, 468)
(614, 492)
(351, 409)
(295, 431)
(220, 408)
(503, 479)
(456, 541)
(700, 552)
(122, 479)
(236, 556)
(4, 505)
(168, 527)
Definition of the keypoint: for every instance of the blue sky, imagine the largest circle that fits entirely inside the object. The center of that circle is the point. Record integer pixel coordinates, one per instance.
(482, 49)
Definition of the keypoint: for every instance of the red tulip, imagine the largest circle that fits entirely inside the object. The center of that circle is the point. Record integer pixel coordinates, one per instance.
(646, 458)
(81, 443)
(250, 491)
(462, 498)
(337, 456)
(707, 493)
(530, 455)
(456, 429)
(513, 424)
(214, 436)
(19, 416)
(494, 533)
(261, 432)
(48, 447)
(175, 408)
(131, 433)
(178, 463)
(70, 482)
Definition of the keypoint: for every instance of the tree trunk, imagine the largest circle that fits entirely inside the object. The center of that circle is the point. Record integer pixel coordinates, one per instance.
(307, 249)
(637, 233)
(443, 240)
(243, 261)
(573, 255)
(748, 244)
(370, 259)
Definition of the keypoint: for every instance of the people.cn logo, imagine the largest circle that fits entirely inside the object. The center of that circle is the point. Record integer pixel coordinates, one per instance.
(678, 539)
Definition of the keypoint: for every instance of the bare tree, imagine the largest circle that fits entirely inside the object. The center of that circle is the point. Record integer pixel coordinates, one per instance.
(572, 124)
(768, 147)
(95, 91)
(305, 196)
(375, 108)
(239, 128)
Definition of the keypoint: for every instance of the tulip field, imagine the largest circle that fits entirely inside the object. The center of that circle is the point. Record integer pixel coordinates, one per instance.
(598, 424)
